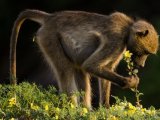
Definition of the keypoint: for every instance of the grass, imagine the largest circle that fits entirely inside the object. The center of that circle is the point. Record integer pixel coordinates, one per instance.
(31, 102)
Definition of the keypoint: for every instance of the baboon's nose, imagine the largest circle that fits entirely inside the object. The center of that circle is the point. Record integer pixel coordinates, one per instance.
(140, 65)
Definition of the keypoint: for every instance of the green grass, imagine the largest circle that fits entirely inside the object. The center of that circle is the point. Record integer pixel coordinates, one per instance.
(31, 102)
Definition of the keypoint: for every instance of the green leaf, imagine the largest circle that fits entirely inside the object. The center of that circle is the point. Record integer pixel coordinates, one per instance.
(130, 73)
(135, 71)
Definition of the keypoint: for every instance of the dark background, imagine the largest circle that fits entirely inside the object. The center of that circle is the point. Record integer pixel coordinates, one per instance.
(30, 63)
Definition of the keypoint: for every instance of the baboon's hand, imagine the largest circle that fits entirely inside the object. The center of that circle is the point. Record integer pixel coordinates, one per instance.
(132, 82)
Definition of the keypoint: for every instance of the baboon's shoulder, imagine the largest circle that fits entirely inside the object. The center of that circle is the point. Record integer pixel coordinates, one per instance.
(119, 16)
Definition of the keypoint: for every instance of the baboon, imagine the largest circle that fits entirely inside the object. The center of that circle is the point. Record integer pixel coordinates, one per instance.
(78, 44)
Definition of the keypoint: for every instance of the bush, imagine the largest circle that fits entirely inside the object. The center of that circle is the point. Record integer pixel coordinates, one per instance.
(28, 101)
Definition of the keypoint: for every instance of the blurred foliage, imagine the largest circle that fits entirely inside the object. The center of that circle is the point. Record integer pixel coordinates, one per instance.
(9, 9)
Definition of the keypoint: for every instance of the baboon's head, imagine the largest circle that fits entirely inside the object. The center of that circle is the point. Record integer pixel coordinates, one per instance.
(143, 41)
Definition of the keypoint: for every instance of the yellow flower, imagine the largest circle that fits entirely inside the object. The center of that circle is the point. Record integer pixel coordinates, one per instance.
(151, 112)
(46, 107)
(116, 108)
(56, 117)
(57, 109)
(85, 111)
(131, 107)
(12, 119)
(124, 104)
(143, 109)
(93, 117)
(72, 106)
(112, 117)
(57, 113)
(12, 101)
(125, 113)
(34, 107)
(127, 54)
(130, 112)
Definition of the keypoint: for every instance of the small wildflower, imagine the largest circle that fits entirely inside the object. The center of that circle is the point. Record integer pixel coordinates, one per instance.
(123, 104)
(12, 101)
(94, 117)
(112, 117)
(131, 72)
(135, 71)
(84, 111)
(117, 108)
(130, 112)
(56, 117)
(127, 54)
(103, 114)
(34, 107)
(72, 106)
(46, 107)
(143, 109)
(57, 109)
(151, 112)
(130, 64)
(131, 107)
(12, 119)
(125, 113)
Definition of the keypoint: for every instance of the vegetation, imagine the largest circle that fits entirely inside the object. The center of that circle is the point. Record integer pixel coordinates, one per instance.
(29, 102)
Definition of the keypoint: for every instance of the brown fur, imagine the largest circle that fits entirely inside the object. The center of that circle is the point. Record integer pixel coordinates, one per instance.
(78, 44)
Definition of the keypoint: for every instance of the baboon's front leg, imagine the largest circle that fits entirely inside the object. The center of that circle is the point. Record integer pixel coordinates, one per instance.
(95, 65)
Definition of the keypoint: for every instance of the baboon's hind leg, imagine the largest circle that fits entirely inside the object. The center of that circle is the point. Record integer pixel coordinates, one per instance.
(67, 84)
(62, 67)
(83, 81)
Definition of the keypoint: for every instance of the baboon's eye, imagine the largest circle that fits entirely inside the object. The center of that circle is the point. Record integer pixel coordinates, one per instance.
(142, 33)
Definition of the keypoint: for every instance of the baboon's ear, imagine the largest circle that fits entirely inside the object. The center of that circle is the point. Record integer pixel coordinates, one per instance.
(142, 33)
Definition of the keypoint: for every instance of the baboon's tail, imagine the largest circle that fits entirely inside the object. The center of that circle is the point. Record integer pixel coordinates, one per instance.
(34, 15)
